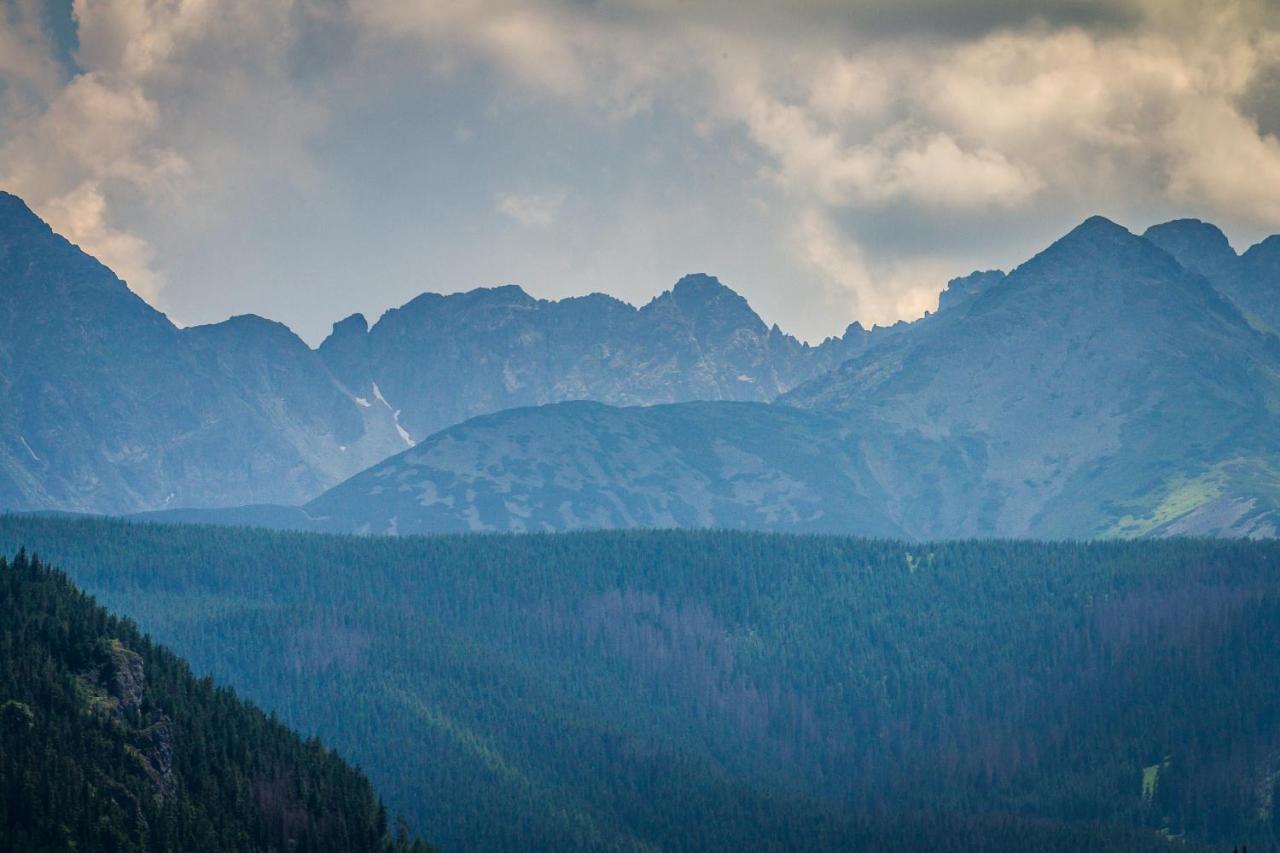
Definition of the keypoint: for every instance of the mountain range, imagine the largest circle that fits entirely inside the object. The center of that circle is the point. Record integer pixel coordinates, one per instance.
(113, 408)
(1113, 385)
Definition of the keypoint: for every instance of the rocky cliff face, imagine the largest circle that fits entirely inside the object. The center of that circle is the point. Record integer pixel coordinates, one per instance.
(1251, 281)
(442, 359)
(115, 690)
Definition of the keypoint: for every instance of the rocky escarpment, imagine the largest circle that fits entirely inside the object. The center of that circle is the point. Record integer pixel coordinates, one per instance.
(440, 360)
(116, 690)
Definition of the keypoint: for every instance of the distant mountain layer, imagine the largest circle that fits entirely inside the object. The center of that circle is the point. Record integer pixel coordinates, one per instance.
(1100, 389)
(1114, 385)
(111, 408)
(108, 742)
(586, 465)
(1105, 389)
(440, 360)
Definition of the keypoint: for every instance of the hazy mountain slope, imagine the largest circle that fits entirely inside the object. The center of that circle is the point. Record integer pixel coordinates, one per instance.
(108, 742)
(110, 408)
(1251, 280)
(439, 360)
(105, 408)
(276, 374)
(586, 465)
(1101, 389)
(1111, 391)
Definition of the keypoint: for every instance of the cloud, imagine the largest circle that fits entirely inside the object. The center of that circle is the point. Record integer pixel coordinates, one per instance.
(1067, 97)
(532, 210)
(171, 105)
(824, 116)
(1136, 105)
(879, 294)
(82, 213)
(27, 65)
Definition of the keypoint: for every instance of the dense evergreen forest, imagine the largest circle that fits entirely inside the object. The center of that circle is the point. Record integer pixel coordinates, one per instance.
(107, 742)
(691, 690)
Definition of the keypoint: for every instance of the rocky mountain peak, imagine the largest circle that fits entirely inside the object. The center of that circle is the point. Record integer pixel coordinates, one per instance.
(352, 327)
(15, 216)
(706, 301)
(1099, 250)
(1198, 246)
(1268, 248)
(961, 290)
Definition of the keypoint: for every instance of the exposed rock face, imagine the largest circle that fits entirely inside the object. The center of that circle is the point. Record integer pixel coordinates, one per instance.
(960, 290)
(442, 359)
(126, 676)
(1251, 280)
(117, 689)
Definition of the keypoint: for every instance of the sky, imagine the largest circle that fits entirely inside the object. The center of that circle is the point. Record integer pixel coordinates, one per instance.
(831, 160)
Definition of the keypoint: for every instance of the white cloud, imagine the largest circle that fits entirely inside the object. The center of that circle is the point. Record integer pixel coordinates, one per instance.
(175, 104)
(26, 55)
(879, 294)
(81, 214)
(532, 210)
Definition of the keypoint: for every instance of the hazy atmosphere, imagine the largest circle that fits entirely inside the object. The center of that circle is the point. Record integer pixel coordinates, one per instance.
(838, 161)
(640, 425)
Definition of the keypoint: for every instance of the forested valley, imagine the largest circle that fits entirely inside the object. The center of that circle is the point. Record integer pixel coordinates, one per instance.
(107, 742)
(706, 690)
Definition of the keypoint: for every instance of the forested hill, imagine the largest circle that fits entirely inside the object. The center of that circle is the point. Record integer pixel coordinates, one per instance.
(107, 742)
(708, 690)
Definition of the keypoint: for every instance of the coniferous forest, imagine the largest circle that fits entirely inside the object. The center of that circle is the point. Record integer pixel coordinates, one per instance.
(709, 690)
(108, 742)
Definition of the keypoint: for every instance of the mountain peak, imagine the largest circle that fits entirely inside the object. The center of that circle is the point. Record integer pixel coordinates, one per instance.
(250, 330)
(1098, 228)
(354, 325)
(700, 284)
(17, 219)
(1265, 248)
(961, 290)
(1189, 229)
(704, 298)
(1099, 245)
(1199, 246)
(508, 293)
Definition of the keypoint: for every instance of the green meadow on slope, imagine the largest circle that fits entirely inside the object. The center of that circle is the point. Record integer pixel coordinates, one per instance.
(706, 690)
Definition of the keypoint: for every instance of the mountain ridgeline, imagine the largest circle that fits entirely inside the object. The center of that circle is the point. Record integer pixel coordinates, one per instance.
(112, 408)
(1114, 385)
(1102, 389)
(107, 742)
(691, 690)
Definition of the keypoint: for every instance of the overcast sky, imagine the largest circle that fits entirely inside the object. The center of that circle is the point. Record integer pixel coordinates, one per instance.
(831, 160)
